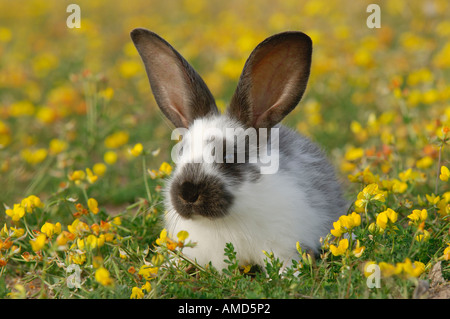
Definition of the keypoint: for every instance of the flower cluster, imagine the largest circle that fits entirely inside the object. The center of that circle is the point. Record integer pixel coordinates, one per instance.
(27, 205)
(149, 271)
(402, 269)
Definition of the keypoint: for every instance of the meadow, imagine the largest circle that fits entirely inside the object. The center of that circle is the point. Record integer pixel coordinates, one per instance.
(84, 149)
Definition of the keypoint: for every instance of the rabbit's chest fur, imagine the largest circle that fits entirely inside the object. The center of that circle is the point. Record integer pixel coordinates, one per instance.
(261, 218)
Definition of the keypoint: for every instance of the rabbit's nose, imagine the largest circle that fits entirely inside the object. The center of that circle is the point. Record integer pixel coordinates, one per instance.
(189, 192)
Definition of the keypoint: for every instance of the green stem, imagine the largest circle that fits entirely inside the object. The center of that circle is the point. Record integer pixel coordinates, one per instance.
(86, 197)
(26, 227)
(144, 171)
(42, 173)
(438, 170)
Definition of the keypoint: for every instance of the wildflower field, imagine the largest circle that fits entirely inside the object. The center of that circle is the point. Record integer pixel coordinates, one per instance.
(84, 149)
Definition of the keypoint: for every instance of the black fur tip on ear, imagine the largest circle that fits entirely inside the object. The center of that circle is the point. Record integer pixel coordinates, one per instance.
(138, 33)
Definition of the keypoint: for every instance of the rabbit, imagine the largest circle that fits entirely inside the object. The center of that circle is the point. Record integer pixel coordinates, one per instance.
(234, 202)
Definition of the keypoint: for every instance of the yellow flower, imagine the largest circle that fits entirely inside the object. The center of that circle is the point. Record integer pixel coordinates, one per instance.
(358, 251)
(16, 232)
(442, 58)
(122, 254)
(90, 176)
(182, 235)
(101, 240)
(34, 157)
(338, 230)
(432, 199)
(78, 258)
(165, 168)
(38, 243)
(386, 216)
(230, 68)
(409, 269)
(5, 35)
(399, 187)
(4, 231)
(418, 216)
(347, 166)
(99, 169)
(19, 292)
(443, 207)
(360, 133)
(341, 248)
(117, 139)
(424, 162)
(148, 272)
(418, 269)
(354, 153)
(63, 238)
(362, 57)
(445, 173)
(157, 260)
(446, 254)
(109, 237)
(117, 221)
(78, 227)
(387, 269)
(31, 202)
(80, 243)
(136, 150)
(46, 115)
(50, 229)
(16, 213)
(103, 277)
(57, 146)
(345, 223)
(129, 68)
(110, 157)
(93, 241)
(93, 205)
(21, 108)
(77, 176)
(107, 93)
(136, 293)
(147, 286)
(162, 237)
(382, 220)
(369, 193)
(351, 221)
(423, 237)
(97, 262)
(408, 175)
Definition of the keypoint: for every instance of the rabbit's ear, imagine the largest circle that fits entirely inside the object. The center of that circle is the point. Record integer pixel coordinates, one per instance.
(180, 92)
(273, 80)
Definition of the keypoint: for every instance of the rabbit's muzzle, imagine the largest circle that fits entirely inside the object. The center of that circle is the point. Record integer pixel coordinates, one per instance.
(189, 192)
(193, 192)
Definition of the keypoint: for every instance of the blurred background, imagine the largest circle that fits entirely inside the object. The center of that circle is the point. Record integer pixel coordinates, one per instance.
(79, 98)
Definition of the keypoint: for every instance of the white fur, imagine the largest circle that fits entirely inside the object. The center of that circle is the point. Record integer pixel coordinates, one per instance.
(271, 214)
